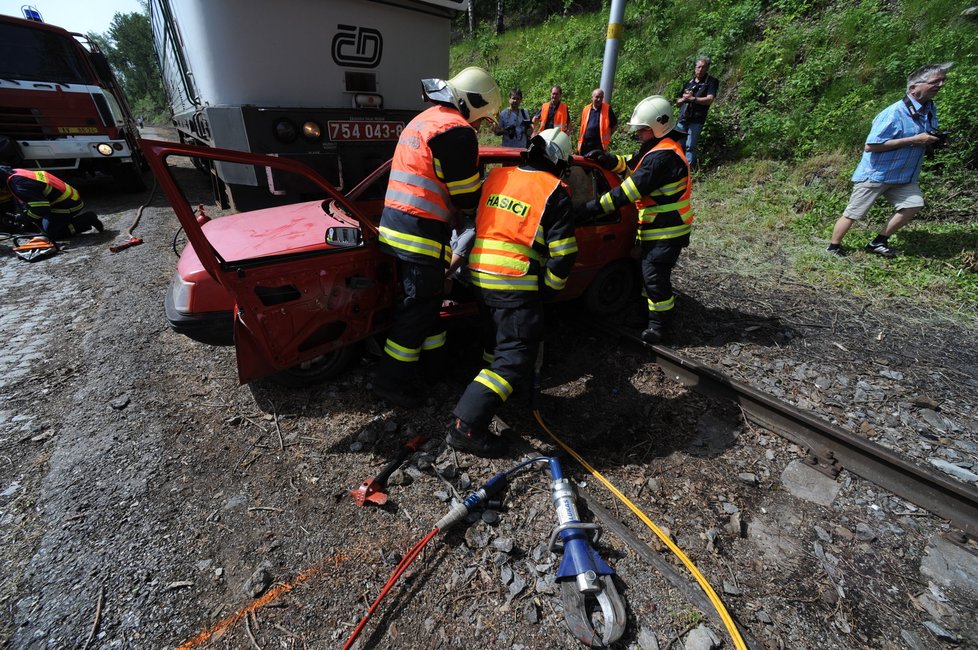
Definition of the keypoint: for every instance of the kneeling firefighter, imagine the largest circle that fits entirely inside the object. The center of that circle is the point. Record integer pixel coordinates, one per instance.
(523, 253)
(434, 174)
(55, 207)
(659, 183)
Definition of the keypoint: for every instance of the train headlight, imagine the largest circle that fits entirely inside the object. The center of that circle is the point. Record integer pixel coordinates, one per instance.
(312, 131)
(104, 149)
(286, 131)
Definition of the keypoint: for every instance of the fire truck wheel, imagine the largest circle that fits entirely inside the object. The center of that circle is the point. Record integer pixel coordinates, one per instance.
(611, 289)
(129, 178)
(319, 369)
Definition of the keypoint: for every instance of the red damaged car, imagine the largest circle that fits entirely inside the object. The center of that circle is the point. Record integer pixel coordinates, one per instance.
(296, 288)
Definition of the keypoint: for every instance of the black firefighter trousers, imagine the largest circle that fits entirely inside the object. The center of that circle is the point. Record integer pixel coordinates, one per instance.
(415, 325)
(658, 260)
(519, 332)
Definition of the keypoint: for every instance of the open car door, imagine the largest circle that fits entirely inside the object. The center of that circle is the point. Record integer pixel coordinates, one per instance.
(307, 278)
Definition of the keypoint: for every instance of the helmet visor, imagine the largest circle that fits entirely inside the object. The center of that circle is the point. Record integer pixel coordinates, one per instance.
(438, 90)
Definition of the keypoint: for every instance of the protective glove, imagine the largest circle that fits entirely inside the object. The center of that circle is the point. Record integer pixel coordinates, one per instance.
(603, 158)
(588, 211)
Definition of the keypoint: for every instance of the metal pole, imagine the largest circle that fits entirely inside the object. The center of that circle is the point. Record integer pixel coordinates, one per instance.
(616, 27)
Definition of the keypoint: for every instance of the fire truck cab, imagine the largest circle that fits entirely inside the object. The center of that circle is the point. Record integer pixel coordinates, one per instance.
(61, 108)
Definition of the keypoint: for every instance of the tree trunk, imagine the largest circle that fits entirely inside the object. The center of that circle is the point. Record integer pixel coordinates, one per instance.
(499, 17)
(471, 17)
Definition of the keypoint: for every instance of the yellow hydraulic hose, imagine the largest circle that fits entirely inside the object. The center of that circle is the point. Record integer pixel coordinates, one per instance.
(707, 589)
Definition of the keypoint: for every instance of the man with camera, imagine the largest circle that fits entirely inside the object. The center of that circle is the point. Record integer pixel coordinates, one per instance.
(900, 136)
(694, 103)
(514, 122)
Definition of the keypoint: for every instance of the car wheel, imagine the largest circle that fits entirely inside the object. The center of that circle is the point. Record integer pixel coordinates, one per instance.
(611, 289)
(319, 369)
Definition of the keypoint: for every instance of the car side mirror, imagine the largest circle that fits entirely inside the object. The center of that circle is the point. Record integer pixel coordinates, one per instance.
(344, 236)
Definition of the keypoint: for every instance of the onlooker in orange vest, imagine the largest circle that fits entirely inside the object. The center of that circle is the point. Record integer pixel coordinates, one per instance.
(598, 122)
(552, 114)
(55, 206)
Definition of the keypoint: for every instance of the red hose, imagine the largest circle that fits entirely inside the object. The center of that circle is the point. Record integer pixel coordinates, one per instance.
(398, 571)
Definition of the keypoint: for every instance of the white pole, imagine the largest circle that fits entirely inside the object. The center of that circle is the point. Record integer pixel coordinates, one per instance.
(611, 45)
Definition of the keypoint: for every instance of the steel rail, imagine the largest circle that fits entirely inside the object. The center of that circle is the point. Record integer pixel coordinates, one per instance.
(830, 447)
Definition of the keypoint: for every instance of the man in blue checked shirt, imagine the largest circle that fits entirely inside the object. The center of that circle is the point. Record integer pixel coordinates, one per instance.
(892, 157)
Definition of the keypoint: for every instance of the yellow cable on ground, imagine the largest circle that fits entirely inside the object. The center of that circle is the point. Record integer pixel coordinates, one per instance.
(707, 589)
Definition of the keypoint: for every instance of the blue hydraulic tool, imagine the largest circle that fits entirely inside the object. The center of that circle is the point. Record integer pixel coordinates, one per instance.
(493, 487)
(582, 573)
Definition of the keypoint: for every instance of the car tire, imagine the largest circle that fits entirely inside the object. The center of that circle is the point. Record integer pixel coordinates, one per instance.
(611, 289)
(318, 370)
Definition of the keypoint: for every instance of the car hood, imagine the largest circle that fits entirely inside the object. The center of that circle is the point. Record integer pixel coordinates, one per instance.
(296, 228)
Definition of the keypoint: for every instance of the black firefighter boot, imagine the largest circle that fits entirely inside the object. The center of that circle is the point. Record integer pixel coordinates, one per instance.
(87, 220)
(462, 437)
(656, 331)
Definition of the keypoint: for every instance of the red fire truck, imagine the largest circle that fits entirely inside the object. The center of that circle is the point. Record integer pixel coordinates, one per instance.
(61, 108)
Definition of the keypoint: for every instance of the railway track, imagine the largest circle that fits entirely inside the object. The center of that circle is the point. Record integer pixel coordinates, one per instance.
(830, 448)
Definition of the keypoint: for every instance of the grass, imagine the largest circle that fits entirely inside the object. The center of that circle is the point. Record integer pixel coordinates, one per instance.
(771, 219)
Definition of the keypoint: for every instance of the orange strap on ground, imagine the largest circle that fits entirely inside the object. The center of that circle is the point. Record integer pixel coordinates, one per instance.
(270, 595)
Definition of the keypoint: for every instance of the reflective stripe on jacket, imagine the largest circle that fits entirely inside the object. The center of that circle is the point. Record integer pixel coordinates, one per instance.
(561, 119)
(58, 196)
(506, 226)
(415, 185)
(665, 212)
(605, 124)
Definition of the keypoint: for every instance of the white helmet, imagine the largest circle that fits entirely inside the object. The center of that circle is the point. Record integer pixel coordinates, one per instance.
(472, 91)
(654, 112)
(554, 144)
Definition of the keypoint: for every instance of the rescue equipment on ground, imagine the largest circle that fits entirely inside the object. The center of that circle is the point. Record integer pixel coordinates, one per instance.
(373, 490)
(132, 241)
(34, 248)
(582, 575)
(711, 594)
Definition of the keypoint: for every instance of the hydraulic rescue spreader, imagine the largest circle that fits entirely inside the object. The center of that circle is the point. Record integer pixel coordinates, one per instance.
(582, 574)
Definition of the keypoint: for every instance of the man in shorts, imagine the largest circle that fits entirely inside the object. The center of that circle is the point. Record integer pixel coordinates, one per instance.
(892, 157)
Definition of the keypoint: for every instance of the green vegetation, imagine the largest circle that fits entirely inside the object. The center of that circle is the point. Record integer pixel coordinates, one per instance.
(129, 47)
(800, 82)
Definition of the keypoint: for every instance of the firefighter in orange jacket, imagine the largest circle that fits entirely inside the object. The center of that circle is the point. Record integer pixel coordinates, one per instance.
(55, 207)
(659, 184)
(598, 122)
(552, 114)
(523, 253)
(434, 173)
